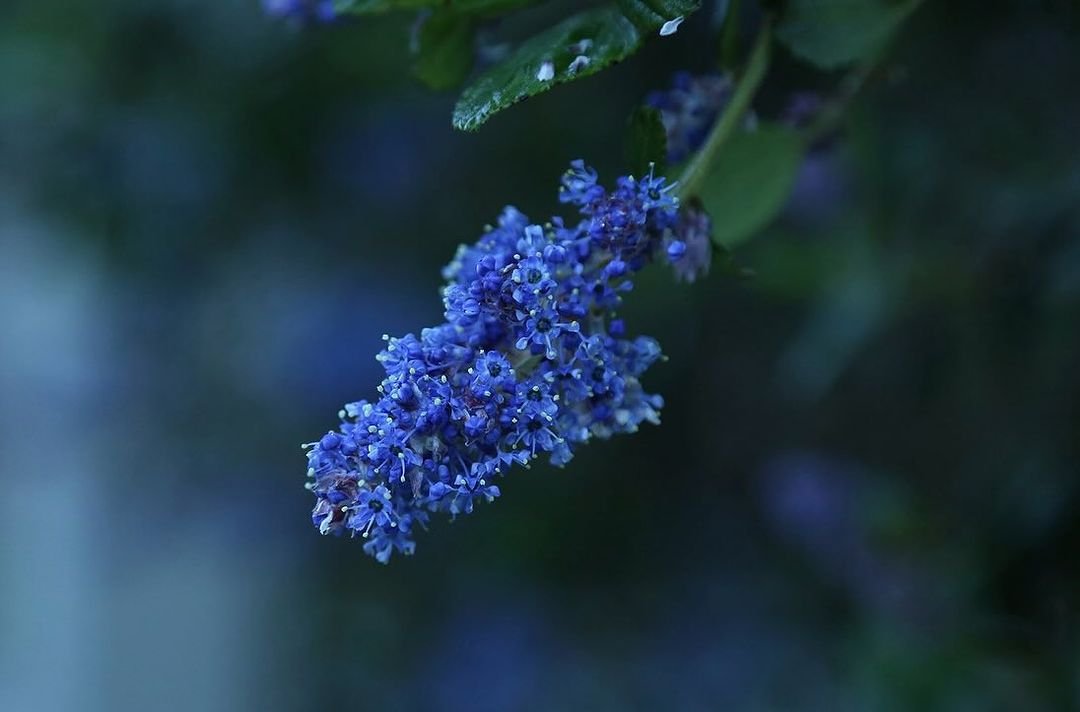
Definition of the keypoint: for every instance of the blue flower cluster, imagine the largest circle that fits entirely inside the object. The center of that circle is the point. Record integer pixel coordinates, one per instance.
(689, 109)
(692, 252)
(303, 10)
(532, 360)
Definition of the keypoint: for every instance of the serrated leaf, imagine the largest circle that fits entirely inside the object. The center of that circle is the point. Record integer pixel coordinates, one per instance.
(750, 182)
(444, 49)
(650, 15)
(602, 36)
(832, 33)
(646, 141)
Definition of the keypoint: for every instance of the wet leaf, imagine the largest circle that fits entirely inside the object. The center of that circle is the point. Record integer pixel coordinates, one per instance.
(577, 47)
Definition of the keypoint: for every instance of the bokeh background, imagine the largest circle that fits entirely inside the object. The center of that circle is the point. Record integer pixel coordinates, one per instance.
(863, 495)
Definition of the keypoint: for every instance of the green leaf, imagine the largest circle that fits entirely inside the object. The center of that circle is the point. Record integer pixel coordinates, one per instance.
(464, 7)
(724, 264)
(444, 49)
(646, 141)
(650, 15)
(366, 7)
(832, 33)
(750, 182)
(603, 36)
(489, 7)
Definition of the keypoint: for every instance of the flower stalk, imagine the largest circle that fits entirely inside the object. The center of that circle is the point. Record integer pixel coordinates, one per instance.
(756, 67)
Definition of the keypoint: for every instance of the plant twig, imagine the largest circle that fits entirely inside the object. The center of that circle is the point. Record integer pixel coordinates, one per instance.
(729, 35)
(756, 67)
(852, 84)
(832, 114)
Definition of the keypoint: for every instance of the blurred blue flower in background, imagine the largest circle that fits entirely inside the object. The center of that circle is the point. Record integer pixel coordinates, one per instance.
(689, 109)
(319, 10)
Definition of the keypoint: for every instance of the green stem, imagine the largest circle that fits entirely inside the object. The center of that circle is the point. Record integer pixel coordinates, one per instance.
(729, 37)
(756, 67)
(835, 110)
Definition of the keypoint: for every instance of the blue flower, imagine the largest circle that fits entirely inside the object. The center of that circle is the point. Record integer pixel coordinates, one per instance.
(689, 109)
(532, 280)
(534, 397)
(459, 499)
(383, 542)
(689, 249)
(542, 332)
(373, 508)
(304, 10)
(491, 375)
(531, 360)
(579, 186)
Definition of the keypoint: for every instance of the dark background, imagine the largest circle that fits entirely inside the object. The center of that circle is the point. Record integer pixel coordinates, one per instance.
(863, 495)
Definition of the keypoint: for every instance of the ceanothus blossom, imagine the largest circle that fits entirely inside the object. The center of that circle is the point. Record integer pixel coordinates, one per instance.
(532, 361)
